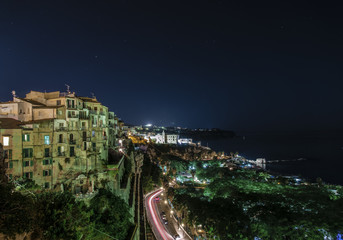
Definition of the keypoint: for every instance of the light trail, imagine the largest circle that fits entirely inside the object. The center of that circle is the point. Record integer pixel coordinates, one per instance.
(165, 235)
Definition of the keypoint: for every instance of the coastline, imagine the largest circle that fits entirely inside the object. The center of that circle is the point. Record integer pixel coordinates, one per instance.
(323, 154)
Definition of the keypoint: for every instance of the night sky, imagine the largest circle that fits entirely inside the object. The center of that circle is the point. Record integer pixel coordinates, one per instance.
(234, 65)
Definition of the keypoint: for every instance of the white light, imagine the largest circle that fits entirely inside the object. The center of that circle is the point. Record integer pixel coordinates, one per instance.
(6, 141)
(165, 201)
(148, 125)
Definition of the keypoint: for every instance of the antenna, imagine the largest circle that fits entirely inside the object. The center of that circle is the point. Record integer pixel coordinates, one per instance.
(13, 94)
(68, 88)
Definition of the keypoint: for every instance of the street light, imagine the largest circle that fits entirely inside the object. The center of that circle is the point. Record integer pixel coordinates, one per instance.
(165, 201)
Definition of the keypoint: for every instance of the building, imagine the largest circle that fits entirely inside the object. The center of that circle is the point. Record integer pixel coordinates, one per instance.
(172, 138)
(53, 137)
(186, 141)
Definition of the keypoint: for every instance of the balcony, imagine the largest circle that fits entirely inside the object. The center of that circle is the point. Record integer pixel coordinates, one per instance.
(72, 141)
(92, 112)
(102, 113)
(61, 129)
(84, 116)
(70, 115)
(71, 106)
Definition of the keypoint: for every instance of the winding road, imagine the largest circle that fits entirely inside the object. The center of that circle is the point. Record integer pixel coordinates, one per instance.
(160, 230)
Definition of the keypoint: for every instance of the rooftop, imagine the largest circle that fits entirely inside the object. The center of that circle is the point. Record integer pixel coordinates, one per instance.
(9, 123)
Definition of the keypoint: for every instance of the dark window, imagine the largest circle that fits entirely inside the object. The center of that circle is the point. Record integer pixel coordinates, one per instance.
(72, 152)
(47, 172)
(27, 152)
(60, 138)
(47, 161)
(28, 175)
(46, 185)
(46, 152)
(58, 102)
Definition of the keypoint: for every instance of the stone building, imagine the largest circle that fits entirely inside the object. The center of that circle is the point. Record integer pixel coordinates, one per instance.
(54, 137)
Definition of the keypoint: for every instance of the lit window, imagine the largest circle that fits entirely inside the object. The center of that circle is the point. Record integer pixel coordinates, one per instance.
(26, 137)
(6, 141)
(47, 139)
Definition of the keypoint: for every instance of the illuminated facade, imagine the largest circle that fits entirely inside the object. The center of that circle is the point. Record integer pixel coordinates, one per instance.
(53, 137)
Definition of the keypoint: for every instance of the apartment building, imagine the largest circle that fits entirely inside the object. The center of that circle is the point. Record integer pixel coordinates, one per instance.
(53, 137)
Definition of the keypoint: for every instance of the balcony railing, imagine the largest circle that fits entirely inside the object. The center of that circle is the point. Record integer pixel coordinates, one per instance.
(61, 154)
(83, 116)
(73, 116)
(93, 112)
(61, 129)
(72, 141)
(102, 113)
(71, 106)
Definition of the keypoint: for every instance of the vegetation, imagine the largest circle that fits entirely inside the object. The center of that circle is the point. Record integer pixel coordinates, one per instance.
(57, 215)
(151, 175)
(245, 203)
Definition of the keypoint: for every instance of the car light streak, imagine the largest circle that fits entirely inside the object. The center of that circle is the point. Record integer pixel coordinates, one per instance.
(153, 214)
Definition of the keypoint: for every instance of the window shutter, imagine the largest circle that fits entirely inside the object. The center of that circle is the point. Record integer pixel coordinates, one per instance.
(31, 174)
(23, 138)
(10, 154)
(49, 172)
(28, 137)
(31, 163)
(31, 152)
(23, 163)
(11, 164)
(43, 173)
(50, 160)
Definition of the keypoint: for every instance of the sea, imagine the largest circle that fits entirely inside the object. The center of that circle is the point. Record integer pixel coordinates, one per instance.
(309, 155)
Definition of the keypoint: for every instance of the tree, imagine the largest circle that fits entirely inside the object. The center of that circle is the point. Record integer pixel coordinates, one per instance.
(16, 211)
(59, 216)
(110, 215)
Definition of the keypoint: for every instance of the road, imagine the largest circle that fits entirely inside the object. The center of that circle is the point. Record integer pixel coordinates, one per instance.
(153, 209)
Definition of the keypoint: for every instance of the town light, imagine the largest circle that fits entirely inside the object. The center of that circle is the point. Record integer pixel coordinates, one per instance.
(165, 201)
(171, 211)
(182, 225)
(161, 194)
